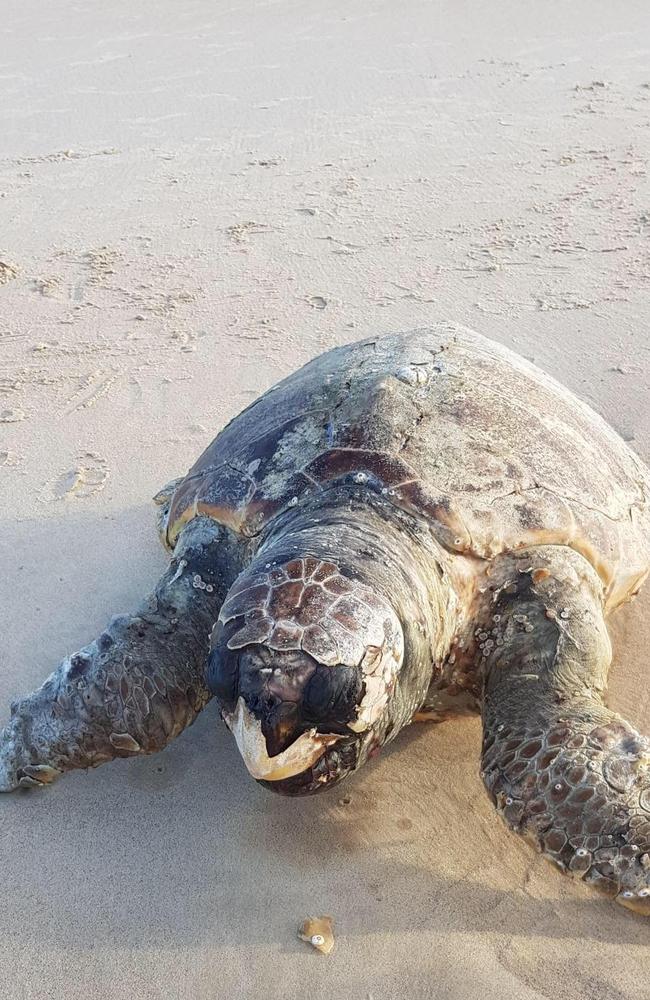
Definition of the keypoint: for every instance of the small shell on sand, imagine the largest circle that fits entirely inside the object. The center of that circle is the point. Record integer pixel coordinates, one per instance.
(319, 933)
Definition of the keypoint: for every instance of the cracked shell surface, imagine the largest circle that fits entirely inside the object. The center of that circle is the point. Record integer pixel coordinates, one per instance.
(444, 423)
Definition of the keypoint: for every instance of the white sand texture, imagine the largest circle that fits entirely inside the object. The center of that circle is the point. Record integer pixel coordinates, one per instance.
(195, 198)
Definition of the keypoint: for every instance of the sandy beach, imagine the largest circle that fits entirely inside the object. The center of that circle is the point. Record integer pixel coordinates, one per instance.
(194, 200)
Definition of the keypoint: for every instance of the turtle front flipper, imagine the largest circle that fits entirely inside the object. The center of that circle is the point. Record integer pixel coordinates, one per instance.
(138, 685)
(569, 775)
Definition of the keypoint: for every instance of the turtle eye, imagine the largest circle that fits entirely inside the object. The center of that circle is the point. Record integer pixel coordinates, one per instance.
(332, 695)
(222, 675)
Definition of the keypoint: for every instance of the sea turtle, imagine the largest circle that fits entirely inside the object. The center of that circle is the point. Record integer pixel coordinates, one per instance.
(418, 524)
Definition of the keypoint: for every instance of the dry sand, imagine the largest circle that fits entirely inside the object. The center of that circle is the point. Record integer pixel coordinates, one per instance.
(195, 198)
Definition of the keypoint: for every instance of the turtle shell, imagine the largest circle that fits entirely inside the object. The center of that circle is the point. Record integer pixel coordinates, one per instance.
(448, 425)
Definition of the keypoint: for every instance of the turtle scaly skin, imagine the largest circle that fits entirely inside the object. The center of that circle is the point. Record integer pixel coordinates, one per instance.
(416, 524)
(137, 686)
(563, 770)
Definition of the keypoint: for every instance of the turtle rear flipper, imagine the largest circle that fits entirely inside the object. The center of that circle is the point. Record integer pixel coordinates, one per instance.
(565, 772)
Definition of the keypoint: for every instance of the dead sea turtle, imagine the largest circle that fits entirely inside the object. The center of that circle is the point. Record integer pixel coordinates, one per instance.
(419, 523)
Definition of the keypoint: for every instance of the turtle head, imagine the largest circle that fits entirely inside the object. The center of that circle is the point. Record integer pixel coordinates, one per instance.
(304, 662)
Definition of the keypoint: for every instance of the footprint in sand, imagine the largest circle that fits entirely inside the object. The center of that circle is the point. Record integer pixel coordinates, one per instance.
(7, 272)
(12, 416)
(87, 477)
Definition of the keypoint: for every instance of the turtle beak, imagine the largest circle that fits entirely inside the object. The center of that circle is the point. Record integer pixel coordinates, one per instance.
(296, 758)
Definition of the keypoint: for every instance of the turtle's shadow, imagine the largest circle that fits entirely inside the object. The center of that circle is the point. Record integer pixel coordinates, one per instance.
(183, 848)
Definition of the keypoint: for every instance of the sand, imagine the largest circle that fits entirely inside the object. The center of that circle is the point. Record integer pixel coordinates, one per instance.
(195, 198)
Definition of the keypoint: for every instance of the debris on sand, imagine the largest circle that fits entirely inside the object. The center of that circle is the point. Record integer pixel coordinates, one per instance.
(319, 933)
